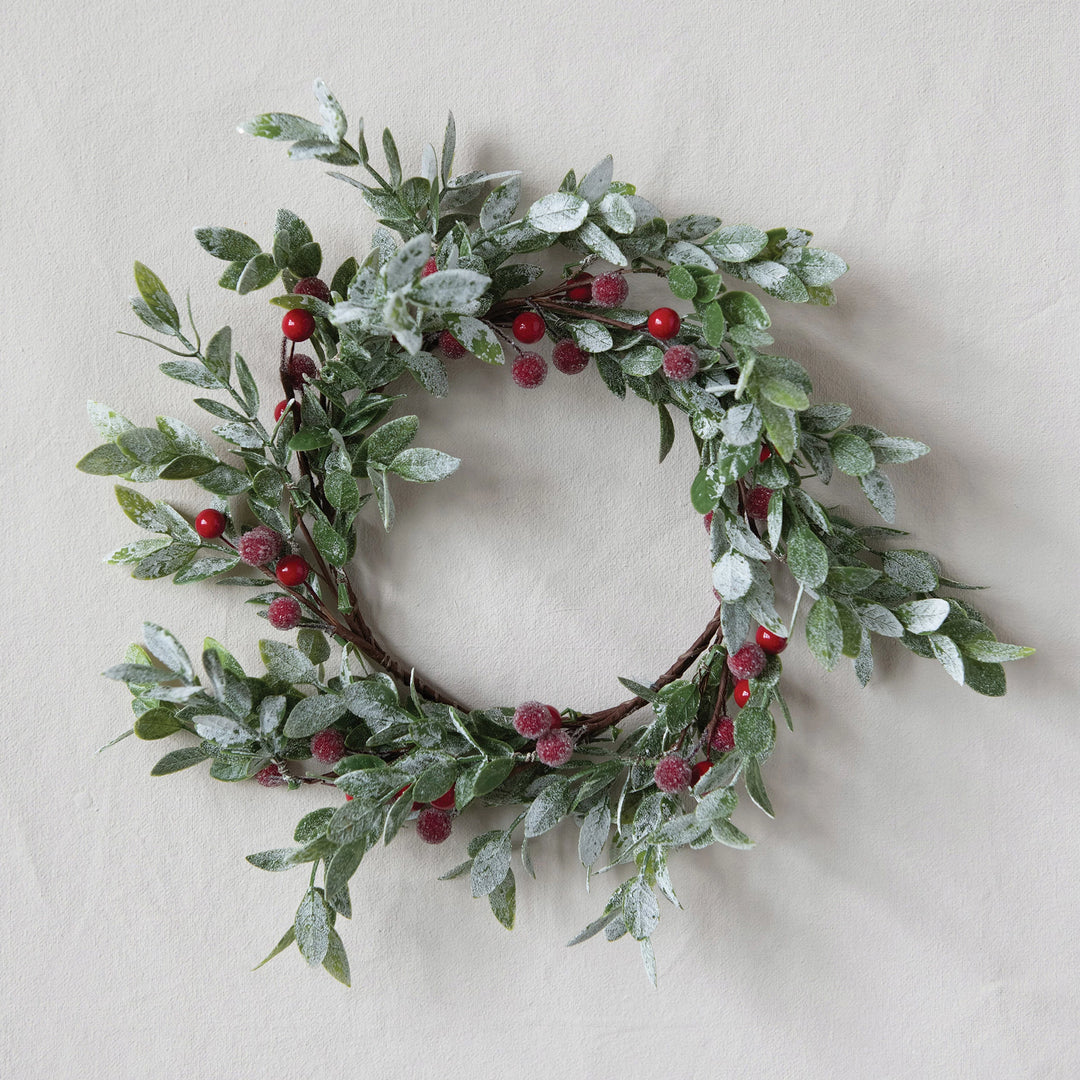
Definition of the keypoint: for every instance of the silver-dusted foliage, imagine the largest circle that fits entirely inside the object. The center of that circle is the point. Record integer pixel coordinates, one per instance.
(455, 268)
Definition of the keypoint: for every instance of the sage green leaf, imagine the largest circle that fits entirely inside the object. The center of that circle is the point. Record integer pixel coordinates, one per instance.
(819, 267)
(744, 309)
(557, 213)
(986, 679)
(227, 244)
(490, 865)
(331, 544)
(285, 663)
(616, 213)
(258, 272)
(164, 647)
(106, 460)
(915, 570)
(429, 371)
(132, 553)
(314, 714)
(880, 619)
(641, 910)
(783, 393)
(549, 807)
(808, 558)
(498, 208)
(312, 927)
(287, 939)
(477, 337)
(594, 833)
(503, 900)
(851, 579)
(893, 450)
(176, 760)
(450, 289)
(191, 372)
(108, 423)
(735, 243)
(335, 962)
(777, 280)
(187, 467)
(781, 427)
(852, 454)
(733, 462)
(990, 652)
(879, 491)
(156, 297)
(755, 787)
(590, 336)
(755, 732)
(309, 439)
(713, 324)
(165, 561)
(423, 465)
(824, 633)
(280, 126)
(224, 480)
(741, 425)
(716, 805)
(948, 654)
(732, 576)
(923, 616)
(156, 724)
(682, 283)
(667, 432)
(436, 780)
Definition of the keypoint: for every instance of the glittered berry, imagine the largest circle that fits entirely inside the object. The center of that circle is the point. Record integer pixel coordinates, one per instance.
(280, 408)
(529, 370)
(556, 719)
(292, 570)
(556, 747)
(681, 362)
(765, 454)
(532, 719)
(313, 286)
(723, 738)
(664, 323)
(270, 777)
(757, 502)
(770, 642)
(259, 546)
(568, 358)
(328, 746)
(708, 521)
(283, 612)
(672, 774)
(433, 826)
(445, 801)
(298, 324)
(429, 268)
(302, 368)
(210, 524)
(741, 693)
(747, 662)
(699, 770)
(580, 291)
(452, 349)
(528, 327)
(610, 290)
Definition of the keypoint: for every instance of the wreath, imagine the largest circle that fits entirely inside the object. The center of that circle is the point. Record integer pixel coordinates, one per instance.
(336, 708)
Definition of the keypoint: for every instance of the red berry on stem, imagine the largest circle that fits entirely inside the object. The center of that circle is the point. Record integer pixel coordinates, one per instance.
(568, 358)
(699, 770)
(313, 286)
(532, 719)
(445, 801)
(279, 408)
(765, 454)
(741, 693)
(770, 642)
(681, 362)
(259, 546)
(528, 327)
(610, 290)
(723, 738)
(283, 612)
(298, 324)
(556, 747)
(328, 746)
(556, 719)
(747, 662)
(270, 777)
(433, 826)
(529, 370)
(292, 570)
(581, 288)
(429, 268)
(210, 524)
(451, 347)
(664, 323)
(757, 502)
(672, 774)
(708, 521)
(302, 368)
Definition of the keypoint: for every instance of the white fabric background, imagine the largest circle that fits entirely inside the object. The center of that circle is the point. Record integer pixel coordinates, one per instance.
(911, 912)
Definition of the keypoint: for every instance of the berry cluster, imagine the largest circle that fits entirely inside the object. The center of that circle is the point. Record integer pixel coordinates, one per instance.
(535, 720)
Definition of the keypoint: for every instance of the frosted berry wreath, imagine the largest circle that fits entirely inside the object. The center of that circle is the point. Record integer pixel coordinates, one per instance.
(280, 523)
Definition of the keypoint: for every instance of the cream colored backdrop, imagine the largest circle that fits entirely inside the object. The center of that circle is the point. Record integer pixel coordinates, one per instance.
(912, 911)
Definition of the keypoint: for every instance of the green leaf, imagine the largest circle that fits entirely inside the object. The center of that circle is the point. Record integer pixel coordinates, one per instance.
(335, 961)
(744, 309)
(503, 900)
(948, 654)
(824, 633)
(331, 544)
(676, 704)
(591, 336)
(735, 243)
(557, 213)
(423, 465)
(224, 480)
(227, 244)
(314, 714)
(156, 724)
(819, 267)
(640, 909)
(667, 432)
(923, 616)
(893, 450)
(490, 865)
(286, 663)
(258, 272)
(852, 454)
(176, 760)
(808, 558)
(755, 732)
(165, 648)
(682, 283)
(594, 833)
(287, 939)
(785, 394)
(498, 208)
(477, 337)
(191, 372)
(915, 570)
(450, 289)
(549, 807)
(755, 786)
(986, 679)
(713, 324)
(732, 576)
(156, 297)
(108, 423)
(781, 427)
(310, 439)
(879, 491)
(991, 652)
(167, 560)
(281, 126)
(312, 927)
(106, 460)
(386, 443)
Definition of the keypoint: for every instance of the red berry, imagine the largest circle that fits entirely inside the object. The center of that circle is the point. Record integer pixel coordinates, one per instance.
(556, 747)
(270, 777)
(765, 454)
(429, 267)
(664, 323)
(279, 408)
(610, 290)
(328, 746)
(451, 347)
(757, 502)
(298, 324)
(672, 774)
(581, 293)
(259, 546)
(313, 286)
(529, 370)
(747, 662)
(770, 642)
(556, 719)
(433, 826)
(568, 358)
(283, 612)
(292, 570)
(445, 801)
(528, 327)
(302, 368)
(708, 521)
(699, 770)
(741, 693)
(210, 524)
(681, 362)
(532, 719)
(348, 798)
(723, 738)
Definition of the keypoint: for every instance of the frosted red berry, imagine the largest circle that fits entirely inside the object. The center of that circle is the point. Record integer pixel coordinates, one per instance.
(568, 358)
(528, 328)
(765, 454)
(556, 747)
(664, 323)
(699, 770)
(708, 521)
(302, 367)
(210, 524)
(280, 408)
(270, 777)
(610, 290)
(452, 349)
(445, 801)
(313, 286)
(681, 362)
(292, 570)
(433, 826)
(532, 719)
(328, 746)
(429, 268)
(556, 719)
(529, 370)
(283, 613)
(757, 502)
(723, 738)
(770, 642)
(259, 546)
(672, 774)
(747, 662)
(741, 693)
(298, 324)
(580, 291)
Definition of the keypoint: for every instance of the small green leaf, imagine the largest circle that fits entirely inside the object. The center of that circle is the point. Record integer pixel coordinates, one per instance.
(824, 633)
(156, 297)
